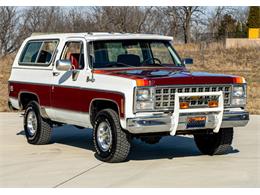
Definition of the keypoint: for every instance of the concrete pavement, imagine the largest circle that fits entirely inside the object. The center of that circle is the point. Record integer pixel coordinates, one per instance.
(175, 162)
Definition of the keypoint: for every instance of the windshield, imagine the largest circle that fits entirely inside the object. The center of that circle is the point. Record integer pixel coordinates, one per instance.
(132, 53)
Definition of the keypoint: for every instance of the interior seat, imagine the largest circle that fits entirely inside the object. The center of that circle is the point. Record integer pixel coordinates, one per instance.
(129, 59)
(74, 58)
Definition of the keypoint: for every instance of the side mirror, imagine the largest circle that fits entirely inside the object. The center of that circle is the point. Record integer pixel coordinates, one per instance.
(63, 65)
(188, 61)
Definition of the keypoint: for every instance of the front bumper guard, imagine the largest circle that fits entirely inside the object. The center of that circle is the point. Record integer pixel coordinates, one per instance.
(216, 118)
(177, 111)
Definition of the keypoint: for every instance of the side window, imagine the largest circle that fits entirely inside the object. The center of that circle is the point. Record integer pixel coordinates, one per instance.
(46, 52)
(30, 52)
(74, 51)
(38, 52)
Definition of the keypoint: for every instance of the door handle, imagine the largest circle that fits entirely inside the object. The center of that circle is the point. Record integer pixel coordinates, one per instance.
(55, 73)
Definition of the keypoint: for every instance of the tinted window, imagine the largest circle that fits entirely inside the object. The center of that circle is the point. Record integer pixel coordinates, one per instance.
(47, 51)
(30, 52)
(38, 52)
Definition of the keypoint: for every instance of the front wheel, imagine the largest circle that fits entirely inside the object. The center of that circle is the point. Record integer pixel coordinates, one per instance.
(216, 143)
(111, 142)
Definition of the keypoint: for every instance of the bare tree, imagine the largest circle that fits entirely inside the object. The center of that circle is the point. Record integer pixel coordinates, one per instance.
(172, 19)
(183, 18)
(183, 23)
(121, 19)
(79, 19)
(9, 34)
(43, 19)
(188, 15)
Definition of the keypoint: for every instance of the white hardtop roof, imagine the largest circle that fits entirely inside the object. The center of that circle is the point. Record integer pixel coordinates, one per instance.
(100, 36)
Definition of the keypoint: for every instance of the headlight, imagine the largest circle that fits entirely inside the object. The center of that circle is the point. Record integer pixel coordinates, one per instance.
(143, 94)
(144, 100)
(143, 106)
(239, 95)
(238, 91)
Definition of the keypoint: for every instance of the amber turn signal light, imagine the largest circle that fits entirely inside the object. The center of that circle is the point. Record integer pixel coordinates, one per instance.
(184, 105)
(213, 103)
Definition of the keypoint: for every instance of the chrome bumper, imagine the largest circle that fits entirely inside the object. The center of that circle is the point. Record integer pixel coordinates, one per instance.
(162, 123)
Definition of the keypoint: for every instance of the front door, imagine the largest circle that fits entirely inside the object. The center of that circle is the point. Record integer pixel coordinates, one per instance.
(66, 98)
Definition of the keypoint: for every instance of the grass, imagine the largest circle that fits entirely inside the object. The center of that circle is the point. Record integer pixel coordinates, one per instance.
(211, 57)
(5, 69)
(236, 61)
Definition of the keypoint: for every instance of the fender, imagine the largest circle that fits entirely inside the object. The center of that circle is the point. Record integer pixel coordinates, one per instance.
(41, 108)
(120, 108)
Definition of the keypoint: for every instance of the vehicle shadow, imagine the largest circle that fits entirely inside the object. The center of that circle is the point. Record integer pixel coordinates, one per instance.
(169, 147)
(71, 136)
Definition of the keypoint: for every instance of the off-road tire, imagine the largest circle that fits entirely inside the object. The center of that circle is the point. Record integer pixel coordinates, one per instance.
(216, 143)
(44, 129)
(121, 144)
(151, 139)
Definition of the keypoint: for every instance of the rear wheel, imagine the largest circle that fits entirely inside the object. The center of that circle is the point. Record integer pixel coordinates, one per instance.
(37, 129)
(111, 142)
(216, 143)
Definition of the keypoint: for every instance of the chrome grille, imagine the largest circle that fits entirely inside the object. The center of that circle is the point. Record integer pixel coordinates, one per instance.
(164, 96)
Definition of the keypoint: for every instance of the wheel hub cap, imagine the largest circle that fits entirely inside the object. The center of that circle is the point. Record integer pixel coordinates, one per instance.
(31, 123)
(104, 136)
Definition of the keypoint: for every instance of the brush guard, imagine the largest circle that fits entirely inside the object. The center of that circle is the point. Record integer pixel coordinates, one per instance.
(177, 110)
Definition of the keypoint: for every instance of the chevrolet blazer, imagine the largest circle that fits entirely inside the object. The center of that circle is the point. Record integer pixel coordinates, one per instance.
(123, 86)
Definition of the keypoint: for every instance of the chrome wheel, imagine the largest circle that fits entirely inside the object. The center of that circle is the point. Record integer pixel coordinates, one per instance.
(104, 136)
(32, 123)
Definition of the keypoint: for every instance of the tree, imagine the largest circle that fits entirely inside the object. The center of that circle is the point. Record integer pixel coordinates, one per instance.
(121, 19)
(171, 18)
(187, 16)
(254, 17)
(79, 19)
(44, 19)
(215, 24)
(214, 19)
(7, 27)
(228, 25)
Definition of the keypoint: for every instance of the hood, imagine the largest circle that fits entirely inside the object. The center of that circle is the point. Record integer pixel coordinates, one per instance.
(171, 76)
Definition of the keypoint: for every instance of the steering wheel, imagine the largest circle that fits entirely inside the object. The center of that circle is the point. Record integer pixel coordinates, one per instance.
(152, 58)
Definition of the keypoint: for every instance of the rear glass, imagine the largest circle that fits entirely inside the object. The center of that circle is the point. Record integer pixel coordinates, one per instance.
(38, 52)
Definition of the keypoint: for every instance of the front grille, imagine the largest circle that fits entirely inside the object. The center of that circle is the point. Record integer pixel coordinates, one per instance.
(164, 96)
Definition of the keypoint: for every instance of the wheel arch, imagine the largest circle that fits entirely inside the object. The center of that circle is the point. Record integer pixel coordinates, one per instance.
(24, 97)
(99, 104)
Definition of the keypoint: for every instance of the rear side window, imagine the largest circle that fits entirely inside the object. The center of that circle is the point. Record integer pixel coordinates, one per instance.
(38, 52)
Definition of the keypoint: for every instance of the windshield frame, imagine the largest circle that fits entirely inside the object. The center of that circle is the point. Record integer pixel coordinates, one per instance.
(168, 44)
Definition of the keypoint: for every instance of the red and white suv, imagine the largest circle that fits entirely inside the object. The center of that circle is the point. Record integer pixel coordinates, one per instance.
(124, 86)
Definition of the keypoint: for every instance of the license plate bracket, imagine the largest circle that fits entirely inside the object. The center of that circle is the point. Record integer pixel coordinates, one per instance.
(196, 122)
